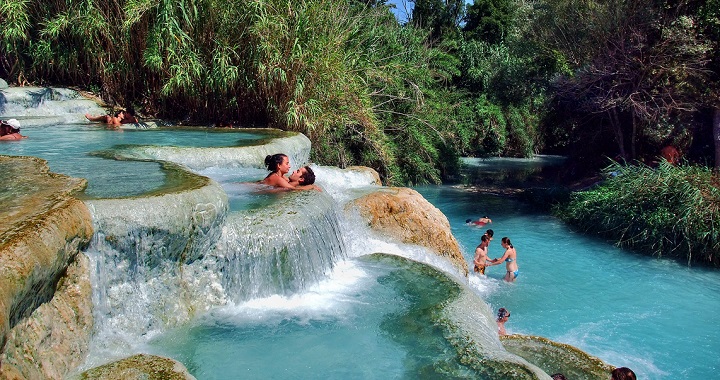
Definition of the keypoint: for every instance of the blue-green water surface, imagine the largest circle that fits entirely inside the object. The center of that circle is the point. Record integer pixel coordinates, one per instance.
(652, 315)
(68, 149)
(372, 319)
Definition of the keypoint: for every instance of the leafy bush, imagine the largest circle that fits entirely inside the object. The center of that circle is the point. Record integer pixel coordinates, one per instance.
(667, 211)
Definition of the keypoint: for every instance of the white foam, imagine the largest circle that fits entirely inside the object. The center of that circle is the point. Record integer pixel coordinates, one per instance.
(330, 298)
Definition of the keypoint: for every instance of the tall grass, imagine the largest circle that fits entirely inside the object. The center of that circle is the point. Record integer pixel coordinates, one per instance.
(366, 90)
(667, 211)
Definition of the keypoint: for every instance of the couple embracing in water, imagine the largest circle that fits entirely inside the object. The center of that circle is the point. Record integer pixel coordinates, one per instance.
(279, 165)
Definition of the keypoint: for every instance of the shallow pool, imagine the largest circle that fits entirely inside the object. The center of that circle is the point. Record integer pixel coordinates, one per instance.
(86, 151)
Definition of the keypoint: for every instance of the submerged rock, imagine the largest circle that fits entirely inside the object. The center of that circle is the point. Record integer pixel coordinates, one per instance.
(143, 366)
(554, 357)
(404, 214)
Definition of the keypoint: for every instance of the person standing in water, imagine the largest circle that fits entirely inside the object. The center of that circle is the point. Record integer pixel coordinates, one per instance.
(510, 259)
(481, 255)
(10, 130)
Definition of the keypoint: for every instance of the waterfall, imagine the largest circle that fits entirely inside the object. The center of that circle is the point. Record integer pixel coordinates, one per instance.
(46, 106)
(161, 260)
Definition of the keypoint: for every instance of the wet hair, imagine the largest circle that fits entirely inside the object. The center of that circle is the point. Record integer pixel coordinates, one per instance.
(490, 233)
(468, 220)
(506, 240)
(117, 114)
(484, 238)
(308, 178)
(558, 376)
(272, 162)
(623, 373)
(502, 313)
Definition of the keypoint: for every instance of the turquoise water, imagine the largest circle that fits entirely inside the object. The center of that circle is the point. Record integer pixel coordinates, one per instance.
(652, 315)
(372, 318)
(68, 149)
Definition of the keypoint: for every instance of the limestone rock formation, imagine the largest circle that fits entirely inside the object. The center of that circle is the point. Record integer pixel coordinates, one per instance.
(139, 367)
(55, 338)
(404, 214)
(554, 357)
(43, 230)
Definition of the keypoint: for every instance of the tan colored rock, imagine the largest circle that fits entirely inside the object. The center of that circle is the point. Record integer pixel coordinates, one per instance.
(404, 214)
(43, 230)
(365, 169)
(554, 357)
(54, 340)
(139, 367)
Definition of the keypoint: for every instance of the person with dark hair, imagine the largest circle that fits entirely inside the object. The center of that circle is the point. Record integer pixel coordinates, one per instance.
(558, 376)
(623, 373)
(10, 130)
(111, 120)
(129, 116)
(279, 165)
(481, 255)
(479, 223)
(502, 317)
(510, 259)
(302, 176)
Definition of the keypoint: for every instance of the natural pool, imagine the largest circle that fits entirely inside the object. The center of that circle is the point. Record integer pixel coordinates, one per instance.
(653, 315)
(88, 151)
(352, 316)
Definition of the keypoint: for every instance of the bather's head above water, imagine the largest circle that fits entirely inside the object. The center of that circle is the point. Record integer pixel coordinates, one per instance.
(303, 176)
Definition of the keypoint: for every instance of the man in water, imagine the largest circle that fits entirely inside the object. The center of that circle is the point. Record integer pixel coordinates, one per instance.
(303, 179)
(481, 255)
(302, 176)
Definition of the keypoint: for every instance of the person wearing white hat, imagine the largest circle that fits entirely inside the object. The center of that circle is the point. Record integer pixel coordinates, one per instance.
(10, 130)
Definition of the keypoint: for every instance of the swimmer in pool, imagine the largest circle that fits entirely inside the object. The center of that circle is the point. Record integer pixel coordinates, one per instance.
(480, 222)
(279, 165)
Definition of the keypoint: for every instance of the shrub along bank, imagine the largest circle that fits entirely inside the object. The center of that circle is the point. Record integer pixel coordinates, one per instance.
(668, 211)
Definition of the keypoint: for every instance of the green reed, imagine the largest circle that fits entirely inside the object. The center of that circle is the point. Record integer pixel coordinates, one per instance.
(669, 211)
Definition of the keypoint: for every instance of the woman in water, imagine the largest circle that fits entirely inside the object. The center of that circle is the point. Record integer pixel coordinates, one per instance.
(279, 166)
(510, 259)
(502, 317)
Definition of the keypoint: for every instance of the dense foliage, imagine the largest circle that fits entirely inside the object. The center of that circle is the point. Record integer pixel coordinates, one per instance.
(364, 88)
(671, 211)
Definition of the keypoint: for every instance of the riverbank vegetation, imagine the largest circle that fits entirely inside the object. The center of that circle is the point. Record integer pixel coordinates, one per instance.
(495, 77)
(586, 79)
(670, 211)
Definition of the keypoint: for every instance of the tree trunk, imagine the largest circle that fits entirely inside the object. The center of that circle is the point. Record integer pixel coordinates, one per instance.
(716, 138)
(617, 128)
(633, 136)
